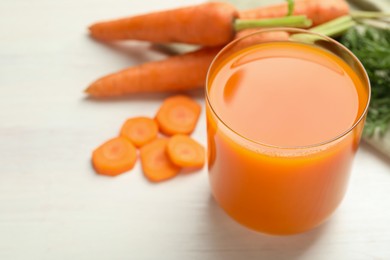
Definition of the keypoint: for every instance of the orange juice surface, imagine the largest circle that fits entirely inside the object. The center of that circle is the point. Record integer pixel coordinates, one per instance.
(273, 111)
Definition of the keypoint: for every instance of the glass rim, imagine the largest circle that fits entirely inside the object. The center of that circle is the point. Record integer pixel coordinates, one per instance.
(294, 30)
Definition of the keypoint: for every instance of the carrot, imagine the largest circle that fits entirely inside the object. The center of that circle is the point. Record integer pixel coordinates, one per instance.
(139, 130)
(156, 164)
(178, 115)
(208, 24)
(319, 11)
(182, 72)
(190, 70)
(185, 151)
(114, 157)
(264, 36)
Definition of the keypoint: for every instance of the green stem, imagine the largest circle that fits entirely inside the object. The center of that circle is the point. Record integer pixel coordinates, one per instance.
(331, 24)
(331, 29)
(333, 32)
(288, 21)
(369, 15)
(290, 6)
(335, 27)
(340, 25)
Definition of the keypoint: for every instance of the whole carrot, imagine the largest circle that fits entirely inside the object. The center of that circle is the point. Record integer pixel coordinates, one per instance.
(319, 11)
(177, 73)
(187, 24)
(209, 24)
(181, 72)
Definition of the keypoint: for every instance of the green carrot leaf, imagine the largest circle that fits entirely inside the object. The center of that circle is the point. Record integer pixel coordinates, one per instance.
(372, 46)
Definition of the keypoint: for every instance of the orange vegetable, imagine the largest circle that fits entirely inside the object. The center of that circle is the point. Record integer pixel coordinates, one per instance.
(156, 164)
(182, 72)
(319, 11)
(185, 151)
(190, 70)
(114, 157)
(139, 130)
(208, 24)
(178, 115)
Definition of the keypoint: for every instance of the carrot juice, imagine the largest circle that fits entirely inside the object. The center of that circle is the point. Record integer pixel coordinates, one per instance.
(284, 121)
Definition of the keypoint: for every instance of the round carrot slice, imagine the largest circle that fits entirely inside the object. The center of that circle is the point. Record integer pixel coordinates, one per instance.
(156, 164)
(185, 151)
(114, 157)
(139, 130)
(178, 115)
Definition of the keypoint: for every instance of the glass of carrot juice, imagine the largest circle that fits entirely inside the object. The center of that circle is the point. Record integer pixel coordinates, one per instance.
(285, 112)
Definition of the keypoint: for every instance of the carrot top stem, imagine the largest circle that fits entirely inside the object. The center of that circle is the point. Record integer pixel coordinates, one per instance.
(369, 15)
(340, 29)
(331, 24)
(291, 6)
(335, 27)
(287, 21)
(340, 25)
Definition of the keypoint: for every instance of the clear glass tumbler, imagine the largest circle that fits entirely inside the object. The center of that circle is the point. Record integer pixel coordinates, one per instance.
(273, 188)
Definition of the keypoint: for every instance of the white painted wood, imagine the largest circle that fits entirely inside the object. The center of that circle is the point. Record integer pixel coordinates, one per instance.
(52, 204)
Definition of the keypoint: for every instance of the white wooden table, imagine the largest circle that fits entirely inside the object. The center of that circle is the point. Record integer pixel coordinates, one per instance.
(53, 205)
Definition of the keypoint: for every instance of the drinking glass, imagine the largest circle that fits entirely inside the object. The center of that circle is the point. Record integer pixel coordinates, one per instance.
(280, 189)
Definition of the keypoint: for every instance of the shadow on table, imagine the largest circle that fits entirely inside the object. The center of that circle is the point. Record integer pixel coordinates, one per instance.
(227, 239)
(145, 97)
(136, 50)
(139, 51)
(375, 151)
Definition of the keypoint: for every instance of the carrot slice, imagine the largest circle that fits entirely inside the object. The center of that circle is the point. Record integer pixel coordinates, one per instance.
(139, 130)
(156, 164)
(185, 151)
(114, 157)
(178, 115)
